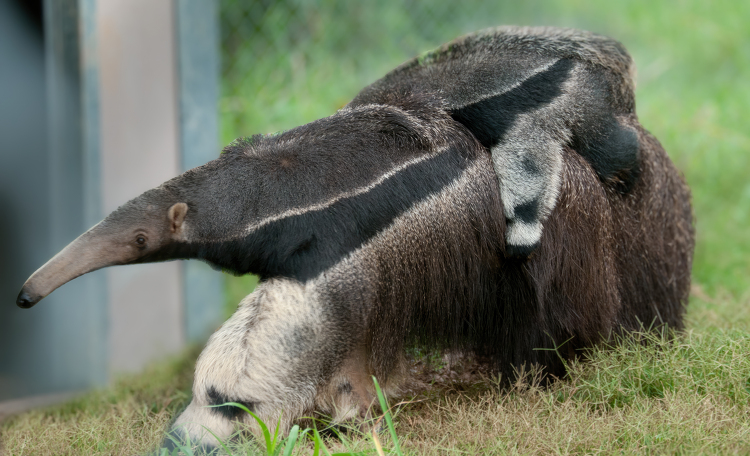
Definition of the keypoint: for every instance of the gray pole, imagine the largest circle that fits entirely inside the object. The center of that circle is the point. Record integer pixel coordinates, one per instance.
(79, 308)
(198, 56)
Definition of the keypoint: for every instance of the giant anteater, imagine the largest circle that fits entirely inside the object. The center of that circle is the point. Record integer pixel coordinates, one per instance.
(384, 226)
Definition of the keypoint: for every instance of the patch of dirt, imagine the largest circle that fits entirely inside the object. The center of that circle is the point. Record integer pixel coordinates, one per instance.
(453, 371)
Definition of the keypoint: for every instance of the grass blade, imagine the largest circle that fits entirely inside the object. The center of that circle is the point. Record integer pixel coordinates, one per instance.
(378, 446)
(270, 444)
(318, 443)
(387, 415)
(275, 450)
(291, 440)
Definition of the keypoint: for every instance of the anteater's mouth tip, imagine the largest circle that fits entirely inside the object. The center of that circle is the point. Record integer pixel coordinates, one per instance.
(25, 300)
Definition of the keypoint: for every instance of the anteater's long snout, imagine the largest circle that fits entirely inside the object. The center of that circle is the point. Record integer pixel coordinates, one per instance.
(85, 254)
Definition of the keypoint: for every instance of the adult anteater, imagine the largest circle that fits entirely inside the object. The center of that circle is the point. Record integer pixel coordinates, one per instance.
(383, 226)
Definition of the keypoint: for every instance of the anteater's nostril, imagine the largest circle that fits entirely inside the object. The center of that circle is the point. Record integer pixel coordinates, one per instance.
(25, 300)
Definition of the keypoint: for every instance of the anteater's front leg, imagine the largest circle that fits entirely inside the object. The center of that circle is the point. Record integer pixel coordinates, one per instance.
(286, 353)
(271, 356)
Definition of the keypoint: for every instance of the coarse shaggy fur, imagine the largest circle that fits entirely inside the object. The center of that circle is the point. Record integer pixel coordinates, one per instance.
(383, 227)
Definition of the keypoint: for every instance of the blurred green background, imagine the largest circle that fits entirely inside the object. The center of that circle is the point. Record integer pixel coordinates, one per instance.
(288, 63)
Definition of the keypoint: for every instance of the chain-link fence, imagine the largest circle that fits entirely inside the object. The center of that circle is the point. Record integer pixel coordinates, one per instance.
(286, 63)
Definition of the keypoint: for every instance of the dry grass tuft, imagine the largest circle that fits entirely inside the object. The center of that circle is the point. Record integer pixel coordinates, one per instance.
(689, 395)
(128, 418)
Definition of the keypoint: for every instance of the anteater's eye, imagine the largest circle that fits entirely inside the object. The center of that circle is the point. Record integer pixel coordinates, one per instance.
(140, 239)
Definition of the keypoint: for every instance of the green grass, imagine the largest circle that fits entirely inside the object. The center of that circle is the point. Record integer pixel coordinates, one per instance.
(127, 418)
(688, 396)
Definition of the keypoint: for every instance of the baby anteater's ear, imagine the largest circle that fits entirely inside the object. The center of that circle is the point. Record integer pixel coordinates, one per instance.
(176, 215)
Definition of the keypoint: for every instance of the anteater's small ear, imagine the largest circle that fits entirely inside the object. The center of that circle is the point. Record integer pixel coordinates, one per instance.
(176, 215)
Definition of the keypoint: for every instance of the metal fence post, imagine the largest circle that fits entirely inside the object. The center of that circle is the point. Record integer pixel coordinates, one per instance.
(198, 56)
(78, 309)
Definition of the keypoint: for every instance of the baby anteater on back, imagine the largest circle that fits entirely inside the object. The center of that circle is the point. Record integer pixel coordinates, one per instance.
(526, 94)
